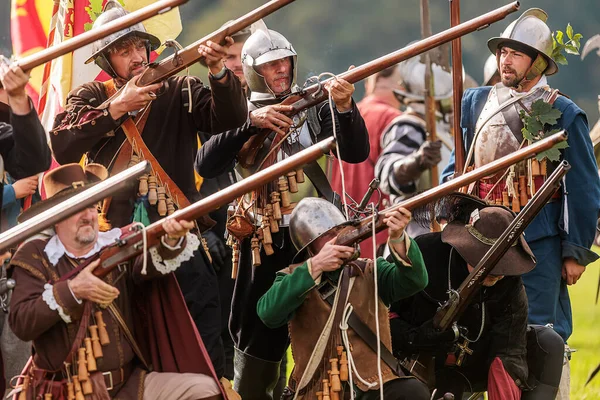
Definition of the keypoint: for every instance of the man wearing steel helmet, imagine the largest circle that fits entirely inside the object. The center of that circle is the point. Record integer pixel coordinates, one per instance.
(303, 298)
(407, 155)
(561, 236)
(270, 65)
(166, 119)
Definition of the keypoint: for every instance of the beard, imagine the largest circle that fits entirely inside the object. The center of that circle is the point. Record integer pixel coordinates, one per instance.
(86, 234)
(281, 84)
(513, 80)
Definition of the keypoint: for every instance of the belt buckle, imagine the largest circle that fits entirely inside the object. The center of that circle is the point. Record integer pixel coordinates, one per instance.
(110, 379)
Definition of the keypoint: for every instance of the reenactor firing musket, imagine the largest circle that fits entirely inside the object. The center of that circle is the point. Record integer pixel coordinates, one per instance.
(314, 94)
(50, 53)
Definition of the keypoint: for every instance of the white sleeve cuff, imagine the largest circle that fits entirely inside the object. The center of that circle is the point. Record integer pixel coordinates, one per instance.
(48, 297)
(168, 266)
(407, 243)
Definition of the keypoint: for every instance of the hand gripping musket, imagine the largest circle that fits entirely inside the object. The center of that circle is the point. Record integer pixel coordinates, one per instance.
(189, 55)
(43, 56)
(71, 206)
(452, 309)
(132, 245)
(354, 232)
(316, 93)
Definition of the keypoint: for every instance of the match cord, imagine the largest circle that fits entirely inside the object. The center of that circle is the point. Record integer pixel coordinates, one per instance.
(374, 238)
(335, 136)
(145, 246)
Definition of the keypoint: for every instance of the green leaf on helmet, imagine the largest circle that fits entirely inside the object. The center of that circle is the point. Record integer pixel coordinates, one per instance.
(569, 31)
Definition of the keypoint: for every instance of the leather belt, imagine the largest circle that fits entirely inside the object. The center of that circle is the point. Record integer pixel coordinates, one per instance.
(116, 377)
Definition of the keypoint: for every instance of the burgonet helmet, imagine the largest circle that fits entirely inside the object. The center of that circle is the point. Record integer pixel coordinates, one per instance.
(413, 73)
(260, 48)
(311, 218)
(112, 11)
(529, 31)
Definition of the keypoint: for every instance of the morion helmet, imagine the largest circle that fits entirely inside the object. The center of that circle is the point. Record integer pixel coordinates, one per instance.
(529, 31)
(260, 48)
(112, 11)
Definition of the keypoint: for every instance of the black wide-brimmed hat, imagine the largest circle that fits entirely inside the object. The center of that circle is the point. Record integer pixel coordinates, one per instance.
(64, 182)
(473, 239)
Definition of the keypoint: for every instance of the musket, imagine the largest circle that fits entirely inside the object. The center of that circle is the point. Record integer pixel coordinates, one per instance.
(50, 53)
(354, 232)
(452, 309)
(457, 90)
(430, 103)
(133, 244)
(71, 206)
(316, 93)
(189, 55)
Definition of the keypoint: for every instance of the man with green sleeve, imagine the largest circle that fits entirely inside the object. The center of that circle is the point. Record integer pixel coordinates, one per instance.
(320, 297)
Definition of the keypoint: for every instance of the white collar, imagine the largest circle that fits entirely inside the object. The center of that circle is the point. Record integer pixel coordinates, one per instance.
(542, 82)
(55, 249)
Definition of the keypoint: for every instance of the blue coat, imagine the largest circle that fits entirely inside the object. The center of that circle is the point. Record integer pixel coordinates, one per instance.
(573, 218)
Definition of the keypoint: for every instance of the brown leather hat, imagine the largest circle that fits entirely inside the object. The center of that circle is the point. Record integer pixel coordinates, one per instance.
(64, 182)
(474, 239)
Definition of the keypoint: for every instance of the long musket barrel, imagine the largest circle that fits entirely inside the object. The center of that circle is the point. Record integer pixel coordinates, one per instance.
(133, 245)
(189, 55)
(359, 73)
(71, 206)
(43, 56)
(457, 90)
(315, 94)
(453, 308)
(363, 228)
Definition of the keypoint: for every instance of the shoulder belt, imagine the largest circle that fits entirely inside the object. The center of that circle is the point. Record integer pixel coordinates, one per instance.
(136, 143)
(366, 333)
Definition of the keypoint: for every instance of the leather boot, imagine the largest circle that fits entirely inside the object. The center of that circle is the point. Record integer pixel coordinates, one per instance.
(541, 392)
(254, 378)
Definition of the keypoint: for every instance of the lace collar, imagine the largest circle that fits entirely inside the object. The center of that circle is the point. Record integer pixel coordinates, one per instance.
(55, 249)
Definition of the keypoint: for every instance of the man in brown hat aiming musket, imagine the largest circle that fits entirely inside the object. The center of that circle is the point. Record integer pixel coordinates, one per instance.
(491, 345)
(97, 338)
(270, 66)
(492, 121)
(158, 123)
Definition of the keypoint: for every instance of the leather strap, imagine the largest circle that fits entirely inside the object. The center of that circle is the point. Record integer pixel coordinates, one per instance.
(510, 113)
(138, 145)
(114, 311)
(366, 334)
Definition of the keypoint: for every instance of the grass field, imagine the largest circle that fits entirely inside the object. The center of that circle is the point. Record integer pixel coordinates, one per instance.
(586, 335)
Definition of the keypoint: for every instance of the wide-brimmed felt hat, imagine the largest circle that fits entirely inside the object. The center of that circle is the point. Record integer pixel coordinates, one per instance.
(473, 239)
(64, 182)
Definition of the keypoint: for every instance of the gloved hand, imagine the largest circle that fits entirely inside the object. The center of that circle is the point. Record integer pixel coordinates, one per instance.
(429, 154)
(217, 248)
(410, 168)
(427, 337)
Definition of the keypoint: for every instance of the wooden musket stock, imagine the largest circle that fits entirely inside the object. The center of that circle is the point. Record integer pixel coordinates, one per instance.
(132, 245)
(189, 55)
(452, 309)
(71, 206)
(316, 93)
(357, 231)
(43, 56)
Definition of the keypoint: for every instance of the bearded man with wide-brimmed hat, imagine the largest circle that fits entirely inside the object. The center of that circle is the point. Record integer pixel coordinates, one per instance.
(123, 327)
(491, 346)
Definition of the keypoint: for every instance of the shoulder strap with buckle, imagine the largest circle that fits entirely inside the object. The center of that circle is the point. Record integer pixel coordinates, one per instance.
(135, 142)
